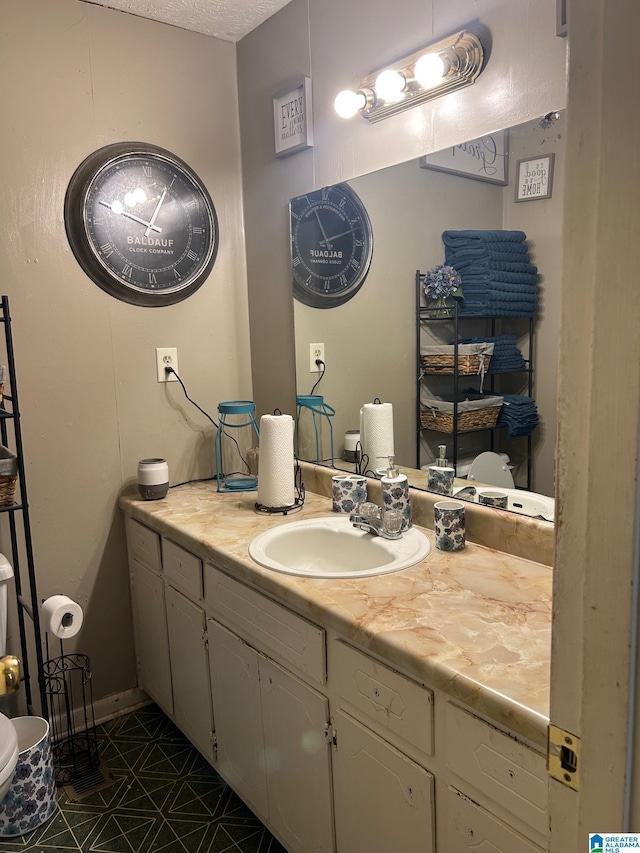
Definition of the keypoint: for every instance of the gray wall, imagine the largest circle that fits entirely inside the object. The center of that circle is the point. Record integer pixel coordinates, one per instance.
(76, 77)
(336, 44)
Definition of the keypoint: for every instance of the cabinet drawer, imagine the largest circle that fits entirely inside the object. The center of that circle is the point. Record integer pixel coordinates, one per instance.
(143, 545)
(287, 638)
(394, 702)
(182, 570)
(471, 828)
(501, 770)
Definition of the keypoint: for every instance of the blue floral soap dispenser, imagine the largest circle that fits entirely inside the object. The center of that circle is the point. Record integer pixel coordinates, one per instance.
(440, 477)
(395, 493)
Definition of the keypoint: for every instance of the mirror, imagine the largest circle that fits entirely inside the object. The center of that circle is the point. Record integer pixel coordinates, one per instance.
(369, 342)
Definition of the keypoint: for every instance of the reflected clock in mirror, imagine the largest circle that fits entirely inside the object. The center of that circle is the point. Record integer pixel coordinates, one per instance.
(331, 246)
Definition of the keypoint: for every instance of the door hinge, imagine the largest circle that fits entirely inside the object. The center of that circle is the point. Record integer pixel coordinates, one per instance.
(214, 742)
(205, 638)
(330, 735)
(563, 757)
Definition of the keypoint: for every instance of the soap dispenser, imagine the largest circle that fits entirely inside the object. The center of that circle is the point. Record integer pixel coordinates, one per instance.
(395, 493)
(440, 477)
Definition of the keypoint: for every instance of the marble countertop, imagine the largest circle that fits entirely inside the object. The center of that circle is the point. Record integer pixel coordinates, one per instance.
(475, 623)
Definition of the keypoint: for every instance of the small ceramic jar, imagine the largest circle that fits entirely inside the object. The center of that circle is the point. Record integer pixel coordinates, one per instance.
(153, 479)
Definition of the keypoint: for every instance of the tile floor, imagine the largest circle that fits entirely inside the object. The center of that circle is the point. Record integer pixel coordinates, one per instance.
(166, 799)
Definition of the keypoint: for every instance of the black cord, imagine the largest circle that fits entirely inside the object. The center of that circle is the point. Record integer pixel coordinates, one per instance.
(197, 480)
(319, 362)
(169, 370)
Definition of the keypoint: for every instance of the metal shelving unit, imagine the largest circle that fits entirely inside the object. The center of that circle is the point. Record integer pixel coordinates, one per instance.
(430, 315)
(20, 529)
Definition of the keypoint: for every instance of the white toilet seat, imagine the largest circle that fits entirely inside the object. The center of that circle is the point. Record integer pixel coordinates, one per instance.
(8, 754)
(492, 470)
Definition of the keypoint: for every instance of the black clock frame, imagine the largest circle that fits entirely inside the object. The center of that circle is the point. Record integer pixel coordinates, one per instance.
(123, 252)
(331, 242)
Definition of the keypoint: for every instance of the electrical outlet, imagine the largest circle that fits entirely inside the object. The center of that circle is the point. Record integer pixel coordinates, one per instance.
(166, 357)
(315, 351)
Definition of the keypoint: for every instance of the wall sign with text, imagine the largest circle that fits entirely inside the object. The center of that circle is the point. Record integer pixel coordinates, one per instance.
(534, 178)
(483, 159)
(292, 119)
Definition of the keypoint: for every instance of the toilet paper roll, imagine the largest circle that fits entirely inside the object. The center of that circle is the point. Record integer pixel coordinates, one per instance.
(61, 616)
(376, 428)
(276, 475)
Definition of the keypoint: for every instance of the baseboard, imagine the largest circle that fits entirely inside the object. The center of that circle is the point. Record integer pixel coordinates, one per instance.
(118, 704)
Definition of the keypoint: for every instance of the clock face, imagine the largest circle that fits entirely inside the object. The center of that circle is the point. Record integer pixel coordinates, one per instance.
(141, 224)
(331, 246)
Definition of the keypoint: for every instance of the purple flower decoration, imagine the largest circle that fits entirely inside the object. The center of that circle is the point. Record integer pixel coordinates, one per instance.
(441, 283)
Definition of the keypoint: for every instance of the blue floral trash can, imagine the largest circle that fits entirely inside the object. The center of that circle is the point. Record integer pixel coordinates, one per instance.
(31, 799)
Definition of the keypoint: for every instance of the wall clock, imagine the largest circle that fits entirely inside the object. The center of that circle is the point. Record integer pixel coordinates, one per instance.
(141, 223)
(331, 246)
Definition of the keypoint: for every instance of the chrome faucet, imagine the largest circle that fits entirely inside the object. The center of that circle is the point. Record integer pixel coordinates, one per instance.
(372, 519)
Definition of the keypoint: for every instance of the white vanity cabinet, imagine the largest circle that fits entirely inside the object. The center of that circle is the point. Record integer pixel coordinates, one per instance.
(499, 787)
(329, 744)
(170, 631)
(149, 614)
(271, 724)
(384, 799)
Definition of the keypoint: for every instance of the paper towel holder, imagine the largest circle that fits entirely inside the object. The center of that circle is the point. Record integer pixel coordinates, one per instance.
(298, 502)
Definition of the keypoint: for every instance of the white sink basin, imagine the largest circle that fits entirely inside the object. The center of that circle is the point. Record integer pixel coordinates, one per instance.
(518, 500)
(332, 547)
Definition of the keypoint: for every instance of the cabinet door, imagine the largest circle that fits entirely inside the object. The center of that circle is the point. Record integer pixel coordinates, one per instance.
(383, 800)
(471, 829)
(235, 687)
(190, 670)
(150, 633)
(297, 759)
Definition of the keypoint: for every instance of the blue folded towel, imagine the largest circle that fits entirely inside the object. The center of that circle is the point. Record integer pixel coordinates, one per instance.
(474, 274)
(462, 264)
(520, 250)
(519, 414)
(451, 238)
(485, 255)
(496, 309)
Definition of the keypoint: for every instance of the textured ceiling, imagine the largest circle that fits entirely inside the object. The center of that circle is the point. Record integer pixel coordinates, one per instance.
(226, 19)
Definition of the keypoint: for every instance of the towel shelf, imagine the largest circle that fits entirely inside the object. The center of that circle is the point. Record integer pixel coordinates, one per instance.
(444, 358)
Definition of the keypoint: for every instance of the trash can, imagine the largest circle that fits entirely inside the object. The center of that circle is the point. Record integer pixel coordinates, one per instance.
(31, 799)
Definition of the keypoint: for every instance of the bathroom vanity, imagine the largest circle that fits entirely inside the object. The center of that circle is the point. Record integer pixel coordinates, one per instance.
(403, 712)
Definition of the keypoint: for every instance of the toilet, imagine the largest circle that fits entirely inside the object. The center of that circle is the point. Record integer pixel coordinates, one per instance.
(491, 469)
(8, 754)
(8, 733)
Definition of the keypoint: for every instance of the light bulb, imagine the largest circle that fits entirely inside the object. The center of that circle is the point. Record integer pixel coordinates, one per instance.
(429, 70)
(390, 85)
(348, 103)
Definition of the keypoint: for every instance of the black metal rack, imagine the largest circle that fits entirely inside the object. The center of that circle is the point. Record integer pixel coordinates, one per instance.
(20, 529)
(426, 314)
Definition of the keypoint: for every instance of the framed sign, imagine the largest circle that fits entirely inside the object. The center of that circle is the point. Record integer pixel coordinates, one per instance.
(483, 159)
(534, 178)
(292, 119)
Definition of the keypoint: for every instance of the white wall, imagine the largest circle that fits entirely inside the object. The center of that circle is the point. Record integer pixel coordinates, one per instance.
(76, 77)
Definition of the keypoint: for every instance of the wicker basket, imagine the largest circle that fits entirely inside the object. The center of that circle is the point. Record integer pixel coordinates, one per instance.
(473, 359)
(8, 475)
(473, 414)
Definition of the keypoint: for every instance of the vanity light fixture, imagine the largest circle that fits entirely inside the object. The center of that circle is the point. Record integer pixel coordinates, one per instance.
(443, 67)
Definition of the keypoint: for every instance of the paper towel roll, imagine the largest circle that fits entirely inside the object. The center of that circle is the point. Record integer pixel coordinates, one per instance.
(376, 427)
(61, 616)
(276, 475)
